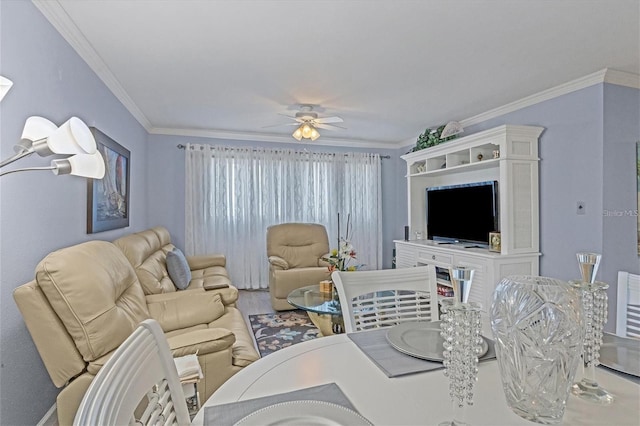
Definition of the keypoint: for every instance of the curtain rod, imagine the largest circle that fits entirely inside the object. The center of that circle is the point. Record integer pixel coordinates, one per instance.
(181, 146)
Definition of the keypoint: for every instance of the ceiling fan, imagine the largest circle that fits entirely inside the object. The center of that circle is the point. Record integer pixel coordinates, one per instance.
(308, 123)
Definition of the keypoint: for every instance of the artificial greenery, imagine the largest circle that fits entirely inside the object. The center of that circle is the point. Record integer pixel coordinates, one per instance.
(430, 138)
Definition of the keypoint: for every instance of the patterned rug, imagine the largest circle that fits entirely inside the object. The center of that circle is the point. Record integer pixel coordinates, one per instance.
(281, 330)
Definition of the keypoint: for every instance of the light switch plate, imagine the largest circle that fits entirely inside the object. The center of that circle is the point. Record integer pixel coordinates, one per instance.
(581, 207)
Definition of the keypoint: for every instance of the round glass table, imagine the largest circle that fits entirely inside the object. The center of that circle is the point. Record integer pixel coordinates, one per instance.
(323, 308)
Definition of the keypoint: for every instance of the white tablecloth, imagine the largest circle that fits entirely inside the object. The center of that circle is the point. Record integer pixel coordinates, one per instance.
(420, 398)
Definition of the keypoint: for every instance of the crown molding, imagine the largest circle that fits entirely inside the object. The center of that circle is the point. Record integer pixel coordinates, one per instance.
(603, 76)
(269, 137)
(58, 17)
(622, 78)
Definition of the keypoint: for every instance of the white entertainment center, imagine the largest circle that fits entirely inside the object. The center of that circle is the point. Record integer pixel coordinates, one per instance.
(507, 154)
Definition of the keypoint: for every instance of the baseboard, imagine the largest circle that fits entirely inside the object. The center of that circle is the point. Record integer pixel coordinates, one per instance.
(50, 418)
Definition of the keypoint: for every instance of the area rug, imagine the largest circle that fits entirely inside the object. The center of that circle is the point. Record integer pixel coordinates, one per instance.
(276, 331)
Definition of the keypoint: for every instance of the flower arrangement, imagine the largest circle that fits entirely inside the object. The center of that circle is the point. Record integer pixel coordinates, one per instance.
(341, 257)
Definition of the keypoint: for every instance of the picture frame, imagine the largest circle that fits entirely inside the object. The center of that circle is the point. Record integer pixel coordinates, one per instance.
(108, 199)
(495, 242)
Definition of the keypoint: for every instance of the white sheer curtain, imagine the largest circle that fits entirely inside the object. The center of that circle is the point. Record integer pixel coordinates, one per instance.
(234, 194)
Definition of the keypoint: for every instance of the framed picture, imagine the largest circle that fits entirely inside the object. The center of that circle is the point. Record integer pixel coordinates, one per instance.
(495, 241)
(108, 198)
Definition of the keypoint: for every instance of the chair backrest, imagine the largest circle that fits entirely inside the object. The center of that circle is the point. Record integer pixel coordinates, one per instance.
(142, 367)
(372, 299)
(628, 317)
(300, 244)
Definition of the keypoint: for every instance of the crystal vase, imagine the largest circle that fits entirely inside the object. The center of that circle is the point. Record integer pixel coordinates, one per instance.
(537, 326)
(594, 304)
(460, 329)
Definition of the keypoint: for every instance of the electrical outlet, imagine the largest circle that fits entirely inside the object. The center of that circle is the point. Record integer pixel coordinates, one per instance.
(581, 207)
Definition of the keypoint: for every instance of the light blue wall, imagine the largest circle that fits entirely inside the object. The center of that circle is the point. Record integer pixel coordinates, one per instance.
(620, 197)
(587, 153)
(166, 195)
(570, 151)
(40, 212)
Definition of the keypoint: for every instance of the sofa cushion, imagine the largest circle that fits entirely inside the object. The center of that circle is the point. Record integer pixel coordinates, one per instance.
(96, 294)
(209, 277)
(178, 268)
(147, 252)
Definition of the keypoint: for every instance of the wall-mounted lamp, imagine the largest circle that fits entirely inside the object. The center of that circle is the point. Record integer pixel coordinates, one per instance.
(5, 85)
(45, 138)
(306, 131)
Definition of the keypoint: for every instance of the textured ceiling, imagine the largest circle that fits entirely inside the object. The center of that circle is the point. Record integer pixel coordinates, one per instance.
(389, 68)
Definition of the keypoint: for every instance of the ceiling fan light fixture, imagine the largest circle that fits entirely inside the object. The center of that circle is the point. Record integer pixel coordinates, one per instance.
(306, 131)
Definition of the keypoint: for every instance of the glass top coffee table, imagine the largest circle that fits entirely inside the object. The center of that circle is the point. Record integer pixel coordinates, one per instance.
(323, 308)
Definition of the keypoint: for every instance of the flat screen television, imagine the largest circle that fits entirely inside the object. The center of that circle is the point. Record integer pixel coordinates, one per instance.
(464, 213)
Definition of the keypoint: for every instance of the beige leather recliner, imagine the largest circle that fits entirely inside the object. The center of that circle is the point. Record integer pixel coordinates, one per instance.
(86, 300)
(295, 252)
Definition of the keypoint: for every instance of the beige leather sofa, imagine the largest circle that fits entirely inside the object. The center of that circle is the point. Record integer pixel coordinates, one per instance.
(295, 251)
(86, 300)
(147, 253)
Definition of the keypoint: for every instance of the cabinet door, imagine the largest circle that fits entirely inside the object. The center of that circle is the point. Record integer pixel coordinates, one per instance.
(405, 256)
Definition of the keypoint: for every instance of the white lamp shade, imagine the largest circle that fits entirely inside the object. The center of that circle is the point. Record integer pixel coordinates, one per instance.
(5, 85)
(73, 137)
(36, 128)
(84, 165)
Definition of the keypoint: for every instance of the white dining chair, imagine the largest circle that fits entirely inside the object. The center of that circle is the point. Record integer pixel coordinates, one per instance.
(140, 377)
(372, 299)
(628, 317)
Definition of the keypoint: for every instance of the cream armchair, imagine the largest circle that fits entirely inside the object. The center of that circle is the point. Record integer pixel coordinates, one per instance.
(86, 300)
(295, 252)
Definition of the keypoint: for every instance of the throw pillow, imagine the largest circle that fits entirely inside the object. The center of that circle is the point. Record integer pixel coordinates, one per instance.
(178, 268)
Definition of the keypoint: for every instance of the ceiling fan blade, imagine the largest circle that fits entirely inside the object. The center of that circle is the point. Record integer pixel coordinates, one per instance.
(291, 117)
(329, 126)
(281, 124)
(325, 120)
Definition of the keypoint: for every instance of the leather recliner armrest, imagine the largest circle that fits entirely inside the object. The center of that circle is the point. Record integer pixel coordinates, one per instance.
(278, 262)
(201, 342)
(178, 310)
(206, 261)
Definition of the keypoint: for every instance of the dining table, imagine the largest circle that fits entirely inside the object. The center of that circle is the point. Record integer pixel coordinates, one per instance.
(418, 398)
